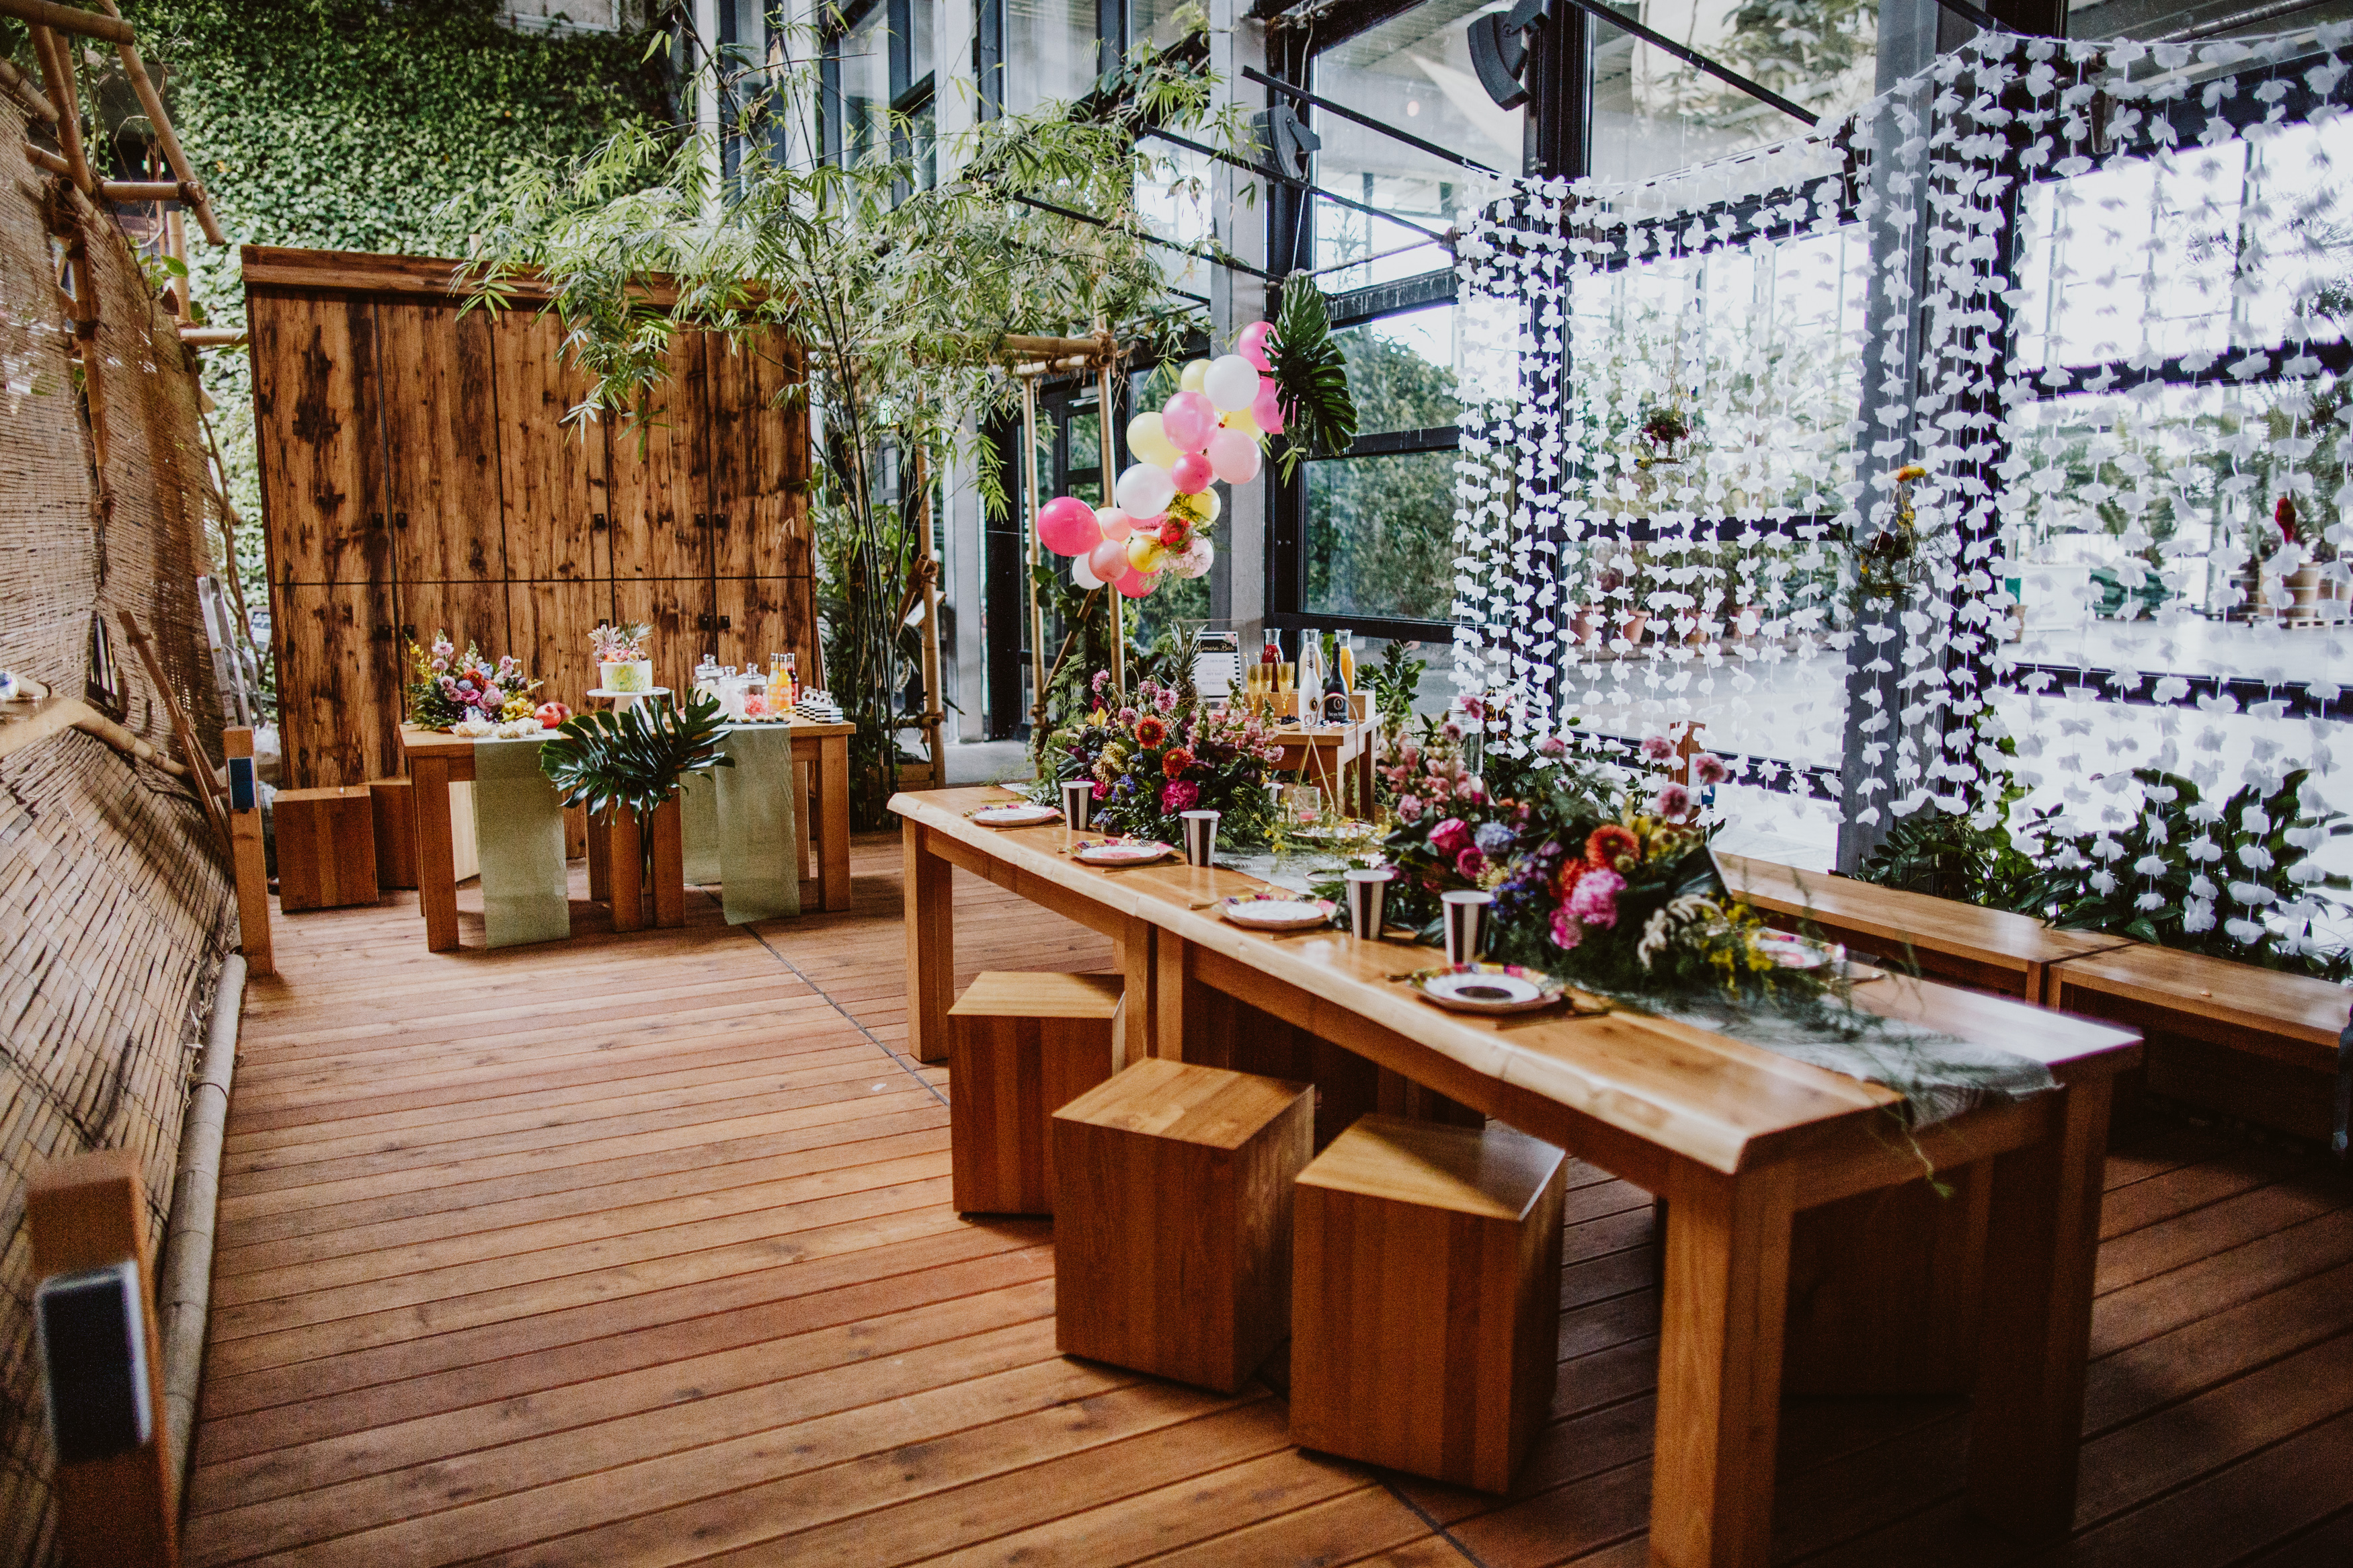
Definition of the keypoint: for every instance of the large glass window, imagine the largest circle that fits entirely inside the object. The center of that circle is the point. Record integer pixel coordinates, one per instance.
(1049, 51)
(878, 71)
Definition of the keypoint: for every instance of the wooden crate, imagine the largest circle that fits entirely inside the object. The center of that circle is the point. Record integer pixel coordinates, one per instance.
(326, 847)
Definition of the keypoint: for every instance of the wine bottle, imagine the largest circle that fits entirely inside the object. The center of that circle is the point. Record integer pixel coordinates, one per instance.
(1335, 691)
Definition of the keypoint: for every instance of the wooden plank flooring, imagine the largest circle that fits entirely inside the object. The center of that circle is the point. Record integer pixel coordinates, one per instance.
(636, 1251)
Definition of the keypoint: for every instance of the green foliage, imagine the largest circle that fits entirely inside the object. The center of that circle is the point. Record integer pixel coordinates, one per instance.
(1311, 378)
(1395, 683)
(1383, 541)
(1956, 855)
(632, 758)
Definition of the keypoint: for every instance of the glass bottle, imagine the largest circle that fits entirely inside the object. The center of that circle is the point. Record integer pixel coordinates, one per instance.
(1347, 660)
(706, 677)
(1336, 686)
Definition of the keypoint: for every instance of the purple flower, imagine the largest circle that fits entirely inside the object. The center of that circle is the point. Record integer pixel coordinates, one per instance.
(1450, 836)
(1657, 749)
(1566, 932)
(1673, 800)
(1492, 837)
(1408, 808)
(1182, 795)
(1469, 864)
(1595, 901)
(1707, 768)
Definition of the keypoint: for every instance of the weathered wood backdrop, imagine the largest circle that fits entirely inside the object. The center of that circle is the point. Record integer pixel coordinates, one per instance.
(417, 477)
(115, 907)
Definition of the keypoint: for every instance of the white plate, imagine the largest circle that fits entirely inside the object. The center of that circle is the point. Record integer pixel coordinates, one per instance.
(1027, 815)
(1276, 914)
(1487, 988)
(1122, 853)
(1797, 953)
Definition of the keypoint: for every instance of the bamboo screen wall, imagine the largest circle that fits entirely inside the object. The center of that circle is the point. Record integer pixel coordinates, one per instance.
(417, 477)
(115, 907)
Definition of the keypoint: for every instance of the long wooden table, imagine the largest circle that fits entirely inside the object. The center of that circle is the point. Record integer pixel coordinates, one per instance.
(1739, 1141)
(438, 760)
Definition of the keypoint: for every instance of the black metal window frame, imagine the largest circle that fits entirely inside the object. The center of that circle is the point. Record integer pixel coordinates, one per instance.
(910, 94)
(1114, 31)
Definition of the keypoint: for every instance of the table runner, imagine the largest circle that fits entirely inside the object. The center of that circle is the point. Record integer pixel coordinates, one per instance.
(1940, 1076)
(740, 826)
(519, 831)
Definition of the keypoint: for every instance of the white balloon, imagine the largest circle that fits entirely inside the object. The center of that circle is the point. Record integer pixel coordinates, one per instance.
(1145, 490)
(1233, 457)
(1083, 574)
(1231, 384)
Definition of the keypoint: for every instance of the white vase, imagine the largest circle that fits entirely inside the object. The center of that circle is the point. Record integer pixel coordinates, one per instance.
(634, 675)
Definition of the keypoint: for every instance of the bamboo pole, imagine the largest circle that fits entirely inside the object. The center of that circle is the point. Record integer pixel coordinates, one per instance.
(44, 159)
(212, 337)
(1038, 674)
(57, 71)
(1050, 348)
(1105, 465)
(208, 785)
(25, 90)
(109, 28)
(174, 153)
(139, 190)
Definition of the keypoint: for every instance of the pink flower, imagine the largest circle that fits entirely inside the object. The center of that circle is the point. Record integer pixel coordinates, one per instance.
(1474, 789)
(1673, 800)
(1450, 836)
(1552, 746)
(1182, 795)
(1408, 808)
(1103, 790)
(1474, 707)
(1707, 768)
(1657, 749)
(1566, 932)
(1452, 731)
(1469, 864)
(1595, 902)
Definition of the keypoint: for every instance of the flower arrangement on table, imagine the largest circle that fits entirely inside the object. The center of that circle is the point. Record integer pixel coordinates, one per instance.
(1160, 756)
(467, 694)
(1606, 883)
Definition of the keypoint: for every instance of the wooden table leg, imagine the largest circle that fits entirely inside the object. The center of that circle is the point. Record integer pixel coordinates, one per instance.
(833, 821)
(670, 864)
(2042, 1246)
(625, 870)
(1367, 759)
(1175, 995)
(1138, 966)
(931, 946)
(1720, 1365)
(437, 867)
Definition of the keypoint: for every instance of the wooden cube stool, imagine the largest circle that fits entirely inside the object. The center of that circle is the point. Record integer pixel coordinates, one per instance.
(1020, 1047)
(1172, 1219)
(1426, 1309)
(393, 806)
(326, 847)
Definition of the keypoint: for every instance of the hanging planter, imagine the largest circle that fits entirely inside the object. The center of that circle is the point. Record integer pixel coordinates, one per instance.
(1666, 435)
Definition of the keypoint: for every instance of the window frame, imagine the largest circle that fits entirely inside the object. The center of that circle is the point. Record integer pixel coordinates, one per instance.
(909, 95)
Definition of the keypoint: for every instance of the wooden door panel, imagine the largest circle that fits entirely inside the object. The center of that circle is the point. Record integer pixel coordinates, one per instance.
(679, 610)
(551, 474)
(658, 465)
(759, 461)
(763, 616)
(440, 421)
(319, 438)
(467, 612)
(339, 678)
(551, 623)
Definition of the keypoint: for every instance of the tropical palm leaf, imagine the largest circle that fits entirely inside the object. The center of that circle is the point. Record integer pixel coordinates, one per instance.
(1311, 378)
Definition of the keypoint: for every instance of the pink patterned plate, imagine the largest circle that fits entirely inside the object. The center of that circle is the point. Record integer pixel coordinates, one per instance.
(1119, 851)
(1276, 911)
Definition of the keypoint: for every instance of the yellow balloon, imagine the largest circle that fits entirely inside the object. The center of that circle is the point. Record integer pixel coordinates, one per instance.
(1144, 552)
(1211, 506)
(1194, 375)
(1150, 443)
(1239, 419)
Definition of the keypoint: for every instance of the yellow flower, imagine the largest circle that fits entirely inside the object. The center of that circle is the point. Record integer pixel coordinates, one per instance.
(517, 708)
(1909, 472)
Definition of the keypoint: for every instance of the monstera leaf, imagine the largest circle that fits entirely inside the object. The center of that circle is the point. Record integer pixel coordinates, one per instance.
(631, 759)
(1311, 378)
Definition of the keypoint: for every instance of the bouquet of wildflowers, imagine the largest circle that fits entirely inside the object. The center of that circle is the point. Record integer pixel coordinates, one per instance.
(624, 643)
(1160, 756)
(448, 687)
(1605, 881)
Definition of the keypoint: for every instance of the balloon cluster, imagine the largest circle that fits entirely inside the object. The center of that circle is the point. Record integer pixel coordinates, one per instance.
(1159, 524)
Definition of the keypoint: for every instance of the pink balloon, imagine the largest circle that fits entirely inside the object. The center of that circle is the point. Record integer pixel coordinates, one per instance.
(1193, 471)
(1234, 456)
(1136, 585)
(1268, 408)
(1066, 525)
(1108, 560)
(1251, 344)
(1115, 523)
(1189, 420)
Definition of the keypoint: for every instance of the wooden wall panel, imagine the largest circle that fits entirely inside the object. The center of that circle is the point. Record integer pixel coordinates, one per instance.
(759, 479)
(440, 437)
(549, 622)
(321, 441)
(339, 677)
(468, 612)
(551, 474)
(660, 464)
(679, 610)
(763, 616)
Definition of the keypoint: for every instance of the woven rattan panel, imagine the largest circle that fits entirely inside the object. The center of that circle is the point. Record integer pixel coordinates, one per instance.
(115, 908)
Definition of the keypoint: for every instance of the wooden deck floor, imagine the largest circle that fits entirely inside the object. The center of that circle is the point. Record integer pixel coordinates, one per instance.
(638, 1251)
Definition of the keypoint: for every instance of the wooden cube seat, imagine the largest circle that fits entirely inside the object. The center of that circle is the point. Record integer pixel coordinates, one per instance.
(1172, 1219)
(1021, 1047)
(326, 847)
(1425, 1305)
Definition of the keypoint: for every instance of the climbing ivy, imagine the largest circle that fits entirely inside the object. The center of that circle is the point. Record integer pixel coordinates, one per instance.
(373, 125)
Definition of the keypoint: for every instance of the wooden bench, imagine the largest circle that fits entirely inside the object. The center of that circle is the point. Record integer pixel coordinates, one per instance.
(1989, 949)
(2255, 1044)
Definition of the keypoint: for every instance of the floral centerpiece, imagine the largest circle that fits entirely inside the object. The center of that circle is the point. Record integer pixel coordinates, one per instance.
(448, 689)
(1604, 880)
(1160, 756)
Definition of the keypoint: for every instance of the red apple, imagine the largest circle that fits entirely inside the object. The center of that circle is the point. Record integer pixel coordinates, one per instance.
(551, 714)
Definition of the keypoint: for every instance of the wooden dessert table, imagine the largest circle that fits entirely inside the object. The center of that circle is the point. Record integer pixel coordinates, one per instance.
(1738, 1140)
(437, 761)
